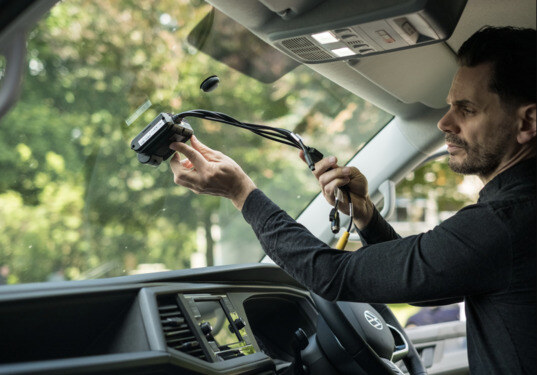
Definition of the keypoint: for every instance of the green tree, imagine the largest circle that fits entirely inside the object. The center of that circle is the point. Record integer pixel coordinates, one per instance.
(73, 196)
(436, 178)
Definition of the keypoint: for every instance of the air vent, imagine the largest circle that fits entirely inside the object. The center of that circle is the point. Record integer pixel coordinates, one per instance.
(305, 49)
(299, 43)
(177, 332)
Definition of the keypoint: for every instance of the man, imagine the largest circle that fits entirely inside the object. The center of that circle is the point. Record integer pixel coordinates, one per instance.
(485, 254)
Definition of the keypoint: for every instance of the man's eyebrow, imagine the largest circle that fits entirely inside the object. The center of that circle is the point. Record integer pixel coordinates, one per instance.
(461, 103)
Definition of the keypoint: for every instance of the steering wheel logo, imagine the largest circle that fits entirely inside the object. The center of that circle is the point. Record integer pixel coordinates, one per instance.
(373, 320)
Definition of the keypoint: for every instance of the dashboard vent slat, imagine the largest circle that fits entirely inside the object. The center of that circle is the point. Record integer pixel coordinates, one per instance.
(178, 334)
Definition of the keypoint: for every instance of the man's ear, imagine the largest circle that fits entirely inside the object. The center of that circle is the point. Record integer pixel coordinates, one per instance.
(527, 128)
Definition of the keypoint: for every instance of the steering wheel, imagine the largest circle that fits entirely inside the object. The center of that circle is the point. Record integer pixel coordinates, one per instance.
(361, 338)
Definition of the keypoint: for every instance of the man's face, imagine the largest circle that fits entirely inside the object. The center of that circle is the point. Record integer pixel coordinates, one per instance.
(478, 130)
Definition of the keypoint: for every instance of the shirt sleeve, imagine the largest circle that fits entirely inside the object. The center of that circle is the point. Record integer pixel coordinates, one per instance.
(455, 259)
(378, 230)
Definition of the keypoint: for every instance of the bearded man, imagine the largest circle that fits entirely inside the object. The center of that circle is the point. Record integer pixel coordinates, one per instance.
(485, 255)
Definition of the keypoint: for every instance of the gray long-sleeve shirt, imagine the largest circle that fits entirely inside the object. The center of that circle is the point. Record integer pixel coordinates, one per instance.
(486, 254)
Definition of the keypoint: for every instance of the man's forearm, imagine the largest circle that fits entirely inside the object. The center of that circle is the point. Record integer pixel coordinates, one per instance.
(377, 229)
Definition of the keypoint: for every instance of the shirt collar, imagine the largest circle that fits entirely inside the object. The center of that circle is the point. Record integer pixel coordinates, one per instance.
(522, 173)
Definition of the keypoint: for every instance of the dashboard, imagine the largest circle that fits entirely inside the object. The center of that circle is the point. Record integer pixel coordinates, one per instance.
(220, 320)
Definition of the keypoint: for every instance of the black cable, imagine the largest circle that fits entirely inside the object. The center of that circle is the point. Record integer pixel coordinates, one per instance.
(283, 136)
(275, 134)
(351, 221)
(311, 155)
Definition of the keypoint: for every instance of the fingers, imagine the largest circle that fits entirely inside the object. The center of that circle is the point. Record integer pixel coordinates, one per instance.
(325, 165)
(187, 164)
(196, 157)
(331, 184)
(197, 145)
(330, 176)
(337, 177)
(184, 172)
(301, 154)
(322, 165)
(177, 165)
(358, 184)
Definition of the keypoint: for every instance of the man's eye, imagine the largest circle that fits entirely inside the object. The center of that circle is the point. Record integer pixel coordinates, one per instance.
(468, 111)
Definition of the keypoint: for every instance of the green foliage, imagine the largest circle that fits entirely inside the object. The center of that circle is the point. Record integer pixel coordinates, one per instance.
(438, 179)
(73, 197)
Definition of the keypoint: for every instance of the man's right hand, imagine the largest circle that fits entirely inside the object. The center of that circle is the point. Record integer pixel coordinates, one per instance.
(331, 176)
(207, 171)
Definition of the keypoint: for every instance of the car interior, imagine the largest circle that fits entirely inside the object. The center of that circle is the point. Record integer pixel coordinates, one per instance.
(105, 263)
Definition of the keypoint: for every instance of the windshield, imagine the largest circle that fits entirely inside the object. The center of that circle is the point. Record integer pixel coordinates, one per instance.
(75, 203)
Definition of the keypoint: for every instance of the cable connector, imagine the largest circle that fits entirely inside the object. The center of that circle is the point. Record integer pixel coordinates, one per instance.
(334, 220)
(312, 156)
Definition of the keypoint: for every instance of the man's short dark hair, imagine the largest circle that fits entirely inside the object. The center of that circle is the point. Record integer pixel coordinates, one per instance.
(512, 54)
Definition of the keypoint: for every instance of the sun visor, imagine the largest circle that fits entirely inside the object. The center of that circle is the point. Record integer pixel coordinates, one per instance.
(337, 30)
(248, 54)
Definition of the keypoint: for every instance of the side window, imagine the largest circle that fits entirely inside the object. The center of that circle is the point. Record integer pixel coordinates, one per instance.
(431, 194)
(426, 197)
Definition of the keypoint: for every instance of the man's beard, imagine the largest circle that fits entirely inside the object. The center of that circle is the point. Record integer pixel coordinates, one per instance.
(480, 160)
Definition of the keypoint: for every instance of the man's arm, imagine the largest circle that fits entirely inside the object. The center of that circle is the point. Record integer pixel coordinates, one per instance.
(374, 228)
(377, 230)
(456, 258)
(453, 260)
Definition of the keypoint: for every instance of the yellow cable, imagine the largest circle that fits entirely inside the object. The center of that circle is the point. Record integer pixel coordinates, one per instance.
(342, 242)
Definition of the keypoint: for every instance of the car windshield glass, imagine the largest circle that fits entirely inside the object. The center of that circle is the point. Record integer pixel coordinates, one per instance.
(75, 203)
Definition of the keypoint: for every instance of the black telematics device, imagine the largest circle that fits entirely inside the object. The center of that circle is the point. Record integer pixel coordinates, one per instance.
(153, 143)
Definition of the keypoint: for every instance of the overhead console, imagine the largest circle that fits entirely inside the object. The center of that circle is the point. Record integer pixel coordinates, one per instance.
(319, 31)
(368, 47)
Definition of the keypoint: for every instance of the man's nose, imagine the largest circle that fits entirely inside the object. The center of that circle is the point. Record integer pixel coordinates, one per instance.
(448, 124)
